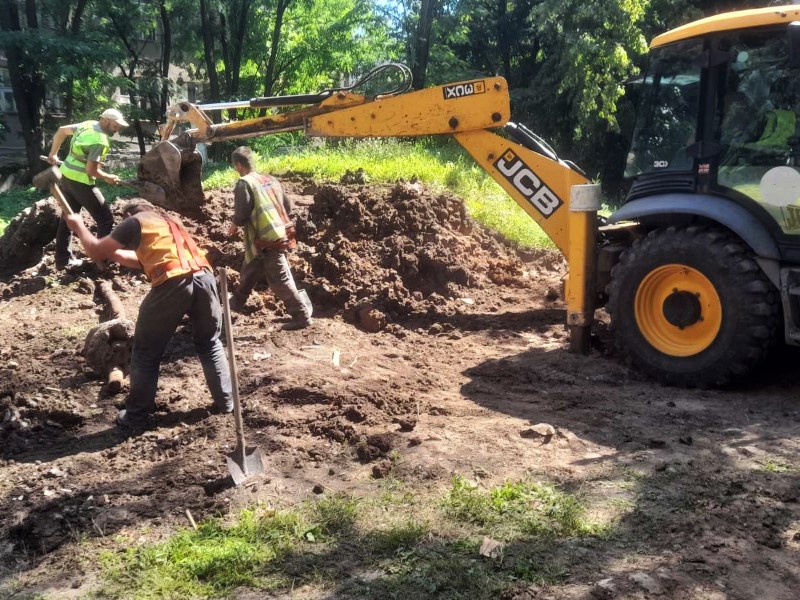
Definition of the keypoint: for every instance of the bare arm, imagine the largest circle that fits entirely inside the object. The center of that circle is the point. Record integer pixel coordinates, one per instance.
(105, 248)
(93, 169)
(127, 258)
(61, 134)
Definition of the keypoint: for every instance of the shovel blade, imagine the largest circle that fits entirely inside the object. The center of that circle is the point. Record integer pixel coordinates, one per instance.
(242, 466)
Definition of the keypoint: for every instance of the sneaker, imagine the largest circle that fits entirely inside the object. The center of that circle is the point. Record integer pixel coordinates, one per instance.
(296, 324)
(123, 421)
(63, 265)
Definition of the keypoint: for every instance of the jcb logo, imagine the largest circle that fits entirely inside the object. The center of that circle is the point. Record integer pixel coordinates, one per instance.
(527, 183)
(464, 89)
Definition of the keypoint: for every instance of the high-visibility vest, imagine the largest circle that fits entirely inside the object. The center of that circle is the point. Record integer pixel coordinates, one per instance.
(166, 249)
(87, 134)
(268, 222)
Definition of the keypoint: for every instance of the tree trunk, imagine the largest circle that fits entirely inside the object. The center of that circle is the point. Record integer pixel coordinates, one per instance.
(166, 56)
(74, 26)
(269, 80)
(26, 82)
(422, 43)
(208, 51)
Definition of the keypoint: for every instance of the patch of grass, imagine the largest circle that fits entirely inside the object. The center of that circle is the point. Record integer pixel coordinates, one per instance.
(14, 201)
(774, 464)
(207, 562)
(399, 547)
(518, 508)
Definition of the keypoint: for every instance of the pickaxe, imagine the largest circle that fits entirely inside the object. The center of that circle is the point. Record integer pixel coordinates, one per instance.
(49, 179)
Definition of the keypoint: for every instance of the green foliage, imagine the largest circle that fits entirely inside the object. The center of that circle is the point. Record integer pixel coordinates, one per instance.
(514, 508)
(207, 562)
(14, 201)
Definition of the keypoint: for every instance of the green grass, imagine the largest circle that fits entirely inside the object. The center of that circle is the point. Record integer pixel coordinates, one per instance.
(773, 464)
(398, 545)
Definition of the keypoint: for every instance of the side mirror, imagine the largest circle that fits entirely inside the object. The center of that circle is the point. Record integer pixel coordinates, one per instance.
(793, 37)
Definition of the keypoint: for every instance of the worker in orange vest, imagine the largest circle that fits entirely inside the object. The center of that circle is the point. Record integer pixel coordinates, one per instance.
(181, 284)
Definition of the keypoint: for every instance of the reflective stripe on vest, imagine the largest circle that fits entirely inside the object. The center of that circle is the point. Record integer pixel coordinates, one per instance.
(87, 134)
(268, 220)
(166, 249)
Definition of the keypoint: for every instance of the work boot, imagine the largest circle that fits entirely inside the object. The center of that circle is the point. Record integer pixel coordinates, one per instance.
(297, 323)
(125, 424)
(236, 303)
(217, 410)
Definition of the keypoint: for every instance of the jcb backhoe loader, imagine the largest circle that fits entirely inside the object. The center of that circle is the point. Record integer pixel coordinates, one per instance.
(702, 260)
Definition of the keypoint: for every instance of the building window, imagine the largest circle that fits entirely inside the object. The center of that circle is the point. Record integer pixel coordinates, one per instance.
(7, 101)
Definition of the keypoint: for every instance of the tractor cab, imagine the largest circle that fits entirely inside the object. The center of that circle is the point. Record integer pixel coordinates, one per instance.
(718, 115)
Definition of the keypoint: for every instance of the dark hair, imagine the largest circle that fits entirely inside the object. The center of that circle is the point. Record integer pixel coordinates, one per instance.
(245, 157)
(136, 206)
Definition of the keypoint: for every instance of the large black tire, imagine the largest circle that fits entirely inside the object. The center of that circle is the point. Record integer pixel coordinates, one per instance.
(665, 332)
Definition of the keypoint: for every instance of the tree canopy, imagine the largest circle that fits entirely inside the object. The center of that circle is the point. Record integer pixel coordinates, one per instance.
(566, 61)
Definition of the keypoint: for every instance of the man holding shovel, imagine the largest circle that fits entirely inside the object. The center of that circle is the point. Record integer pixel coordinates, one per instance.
(81, 169)
(182, 284)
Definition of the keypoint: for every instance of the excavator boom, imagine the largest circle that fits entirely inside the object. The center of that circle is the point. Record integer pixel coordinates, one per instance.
(525, 167)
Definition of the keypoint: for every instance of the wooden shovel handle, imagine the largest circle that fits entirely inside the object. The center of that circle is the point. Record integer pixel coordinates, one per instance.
(237, 405)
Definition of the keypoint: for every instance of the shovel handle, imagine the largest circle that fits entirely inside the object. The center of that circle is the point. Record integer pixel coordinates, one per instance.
(237, 405)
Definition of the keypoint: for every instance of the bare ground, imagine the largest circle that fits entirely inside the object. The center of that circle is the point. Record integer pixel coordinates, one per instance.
(432, 342)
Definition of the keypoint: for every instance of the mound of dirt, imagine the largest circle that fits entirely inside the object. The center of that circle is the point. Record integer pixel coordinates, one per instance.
(382, 254)
(22, 243)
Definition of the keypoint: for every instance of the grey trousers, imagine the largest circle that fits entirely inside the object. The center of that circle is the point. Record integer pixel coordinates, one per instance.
(272, 266)
(80, 195)
(159, 316)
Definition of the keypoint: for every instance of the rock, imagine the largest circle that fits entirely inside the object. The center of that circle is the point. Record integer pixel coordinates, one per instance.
(370, 319)
(687, 440)
(540, 431)
(382, 469)
(647, 583)
(407, 424)
(491, 548)
(603, 589)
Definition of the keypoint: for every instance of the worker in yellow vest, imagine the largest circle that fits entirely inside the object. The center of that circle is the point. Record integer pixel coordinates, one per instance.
(181, 284)
(81, 169)
(268, 235)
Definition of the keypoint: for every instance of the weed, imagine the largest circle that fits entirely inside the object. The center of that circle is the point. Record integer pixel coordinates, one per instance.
(775, 465)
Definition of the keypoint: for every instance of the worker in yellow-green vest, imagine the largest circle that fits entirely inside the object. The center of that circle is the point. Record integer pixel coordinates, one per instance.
(80, 170)
(268, 235)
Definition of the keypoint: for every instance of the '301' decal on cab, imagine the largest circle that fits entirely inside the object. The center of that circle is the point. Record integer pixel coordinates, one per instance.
(525, 181)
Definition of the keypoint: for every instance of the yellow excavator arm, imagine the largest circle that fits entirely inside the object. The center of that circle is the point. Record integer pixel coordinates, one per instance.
(553, 192)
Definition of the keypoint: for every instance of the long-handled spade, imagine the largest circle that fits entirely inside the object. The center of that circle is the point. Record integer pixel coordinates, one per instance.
(243, 462)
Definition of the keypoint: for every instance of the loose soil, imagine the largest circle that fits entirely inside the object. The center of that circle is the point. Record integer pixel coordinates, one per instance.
(433, 343)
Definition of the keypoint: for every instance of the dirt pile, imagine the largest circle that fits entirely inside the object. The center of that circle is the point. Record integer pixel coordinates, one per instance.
(382, 254)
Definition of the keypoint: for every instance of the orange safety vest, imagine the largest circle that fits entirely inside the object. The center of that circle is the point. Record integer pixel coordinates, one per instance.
(166, 249)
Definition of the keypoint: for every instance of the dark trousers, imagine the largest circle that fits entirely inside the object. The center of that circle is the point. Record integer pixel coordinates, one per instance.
(272, 266)
(159, 316)
(81, 195)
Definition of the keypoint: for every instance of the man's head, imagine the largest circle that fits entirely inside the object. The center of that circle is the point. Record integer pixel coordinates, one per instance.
(243, 160)
(111, 121)
(136, 206)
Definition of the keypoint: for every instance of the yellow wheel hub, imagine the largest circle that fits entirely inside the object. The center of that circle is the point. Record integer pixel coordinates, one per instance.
(678, 310)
